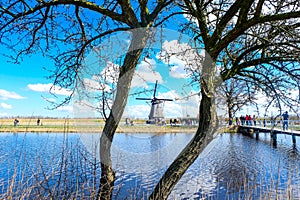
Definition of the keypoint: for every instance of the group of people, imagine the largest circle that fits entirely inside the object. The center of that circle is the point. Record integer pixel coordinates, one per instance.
(244, 120)
(251, 120)
(174, 122)
(247, 120)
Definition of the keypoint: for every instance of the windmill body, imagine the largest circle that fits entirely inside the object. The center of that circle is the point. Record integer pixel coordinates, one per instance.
(156, 114)
(157, 110)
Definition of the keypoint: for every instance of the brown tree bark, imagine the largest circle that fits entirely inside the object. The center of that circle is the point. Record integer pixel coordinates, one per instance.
(229, 107)
(204, 134)
(139, 40)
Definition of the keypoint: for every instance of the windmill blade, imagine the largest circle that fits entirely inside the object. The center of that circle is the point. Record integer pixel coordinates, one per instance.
(165, 99)
(143, 99)
(155, 89)
(156, 102)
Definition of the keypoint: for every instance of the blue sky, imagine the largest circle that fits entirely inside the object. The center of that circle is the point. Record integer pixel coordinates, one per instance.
(19, 95)
(24, 88)
(170, 75)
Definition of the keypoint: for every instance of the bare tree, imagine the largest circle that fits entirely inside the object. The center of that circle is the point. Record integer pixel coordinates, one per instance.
(66, 31)
(259, 40)
(235, 95)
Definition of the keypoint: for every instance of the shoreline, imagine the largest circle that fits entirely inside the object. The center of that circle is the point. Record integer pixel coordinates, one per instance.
(98, 129)
(84, 125)
(61, 125)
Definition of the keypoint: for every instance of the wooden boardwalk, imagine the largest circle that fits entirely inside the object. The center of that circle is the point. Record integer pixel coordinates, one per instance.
(270, 130)
(255, 130)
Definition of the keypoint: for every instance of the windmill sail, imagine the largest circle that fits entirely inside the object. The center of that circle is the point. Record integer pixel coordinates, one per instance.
(157, 105)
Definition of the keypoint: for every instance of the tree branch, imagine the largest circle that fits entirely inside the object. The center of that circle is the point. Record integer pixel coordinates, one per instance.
(238, 30)
(80, 23)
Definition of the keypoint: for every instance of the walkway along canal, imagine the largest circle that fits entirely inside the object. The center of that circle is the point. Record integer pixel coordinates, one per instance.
(273, 128)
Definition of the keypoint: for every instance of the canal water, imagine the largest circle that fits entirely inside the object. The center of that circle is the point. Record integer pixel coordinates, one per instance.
(232, 166)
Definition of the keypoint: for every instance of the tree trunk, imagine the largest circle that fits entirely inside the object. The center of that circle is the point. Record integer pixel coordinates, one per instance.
(123, 86)
(190, 153)
(204, 134)
(111, 124)
(230, 110)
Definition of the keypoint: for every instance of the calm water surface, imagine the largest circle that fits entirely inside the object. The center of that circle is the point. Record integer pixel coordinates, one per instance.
(232, 166)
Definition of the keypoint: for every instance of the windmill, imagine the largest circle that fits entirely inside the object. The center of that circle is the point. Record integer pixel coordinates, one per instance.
(157, 106)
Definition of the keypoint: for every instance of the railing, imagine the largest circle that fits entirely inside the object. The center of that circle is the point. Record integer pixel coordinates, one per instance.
(293, 125)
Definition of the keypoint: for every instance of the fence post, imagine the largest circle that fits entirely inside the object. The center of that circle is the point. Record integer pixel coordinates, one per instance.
(292, 131)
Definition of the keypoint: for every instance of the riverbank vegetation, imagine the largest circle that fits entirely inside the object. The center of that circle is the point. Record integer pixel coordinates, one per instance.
(87, 125)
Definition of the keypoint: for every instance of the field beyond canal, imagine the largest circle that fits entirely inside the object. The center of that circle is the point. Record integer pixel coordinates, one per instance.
(89, 125)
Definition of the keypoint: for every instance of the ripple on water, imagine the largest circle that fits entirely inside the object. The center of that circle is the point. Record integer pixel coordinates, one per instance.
(232, 166)
(240, 166)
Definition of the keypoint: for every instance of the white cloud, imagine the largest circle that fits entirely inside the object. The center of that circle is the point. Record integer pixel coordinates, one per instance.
(4, 94)
(91, 84)
(181, 106)
(146, 73)
(111, 72)
(181, 57)
(173, 109)
(137, 111)
(51, 100)
(66, 109)
(95, 84)
(3, 114)
(293, 93)
(177, 71)
(6, 106)
(263, 101)
(39, 87)
(93, 81)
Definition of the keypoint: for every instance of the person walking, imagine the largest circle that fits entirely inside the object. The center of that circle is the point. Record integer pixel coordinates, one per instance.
(254, 120)
(249, 120)
(38, 122)
(238, 121)
(285, 120)
(242, 120)
(230, 121)
(16, 122)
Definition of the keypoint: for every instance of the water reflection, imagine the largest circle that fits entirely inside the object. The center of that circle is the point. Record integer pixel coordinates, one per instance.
(246, 168)
(232, 166)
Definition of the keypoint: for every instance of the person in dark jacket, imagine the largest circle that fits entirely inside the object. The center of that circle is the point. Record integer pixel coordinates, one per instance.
(285, 120)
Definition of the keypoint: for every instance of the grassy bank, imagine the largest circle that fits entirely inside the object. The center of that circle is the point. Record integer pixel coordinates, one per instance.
(84, 126)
